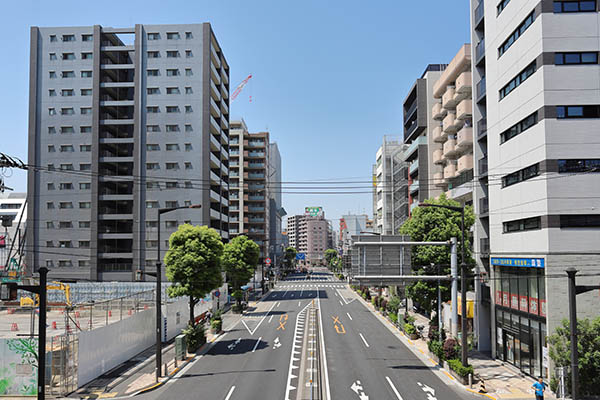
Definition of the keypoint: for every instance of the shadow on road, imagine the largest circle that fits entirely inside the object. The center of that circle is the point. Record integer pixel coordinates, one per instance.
(238, 346)
(229, 372)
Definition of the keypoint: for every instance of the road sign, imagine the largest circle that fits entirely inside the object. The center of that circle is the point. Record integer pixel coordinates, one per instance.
(268, 261)
(300, 256)
(217, 293)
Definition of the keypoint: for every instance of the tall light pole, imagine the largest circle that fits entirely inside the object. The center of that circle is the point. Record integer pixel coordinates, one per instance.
(463, 278)
(158, 296)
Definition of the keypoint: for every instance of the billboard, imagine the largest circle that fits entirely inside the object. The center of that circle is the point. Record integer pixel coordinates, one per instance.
(313, 211)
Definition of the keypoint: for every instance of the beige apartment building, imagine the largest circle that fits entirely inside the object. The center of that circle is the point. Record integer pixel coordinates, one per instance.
(453, 136)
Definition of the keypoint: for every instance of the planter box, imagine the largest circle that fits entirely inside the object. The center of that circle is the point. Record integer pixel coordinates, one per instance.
(464, 381)
(414, 336)
(435, 358)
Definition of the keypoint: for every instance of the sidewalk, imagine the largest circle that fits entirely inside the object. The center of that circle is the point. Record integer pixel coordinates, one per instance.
(500, 381)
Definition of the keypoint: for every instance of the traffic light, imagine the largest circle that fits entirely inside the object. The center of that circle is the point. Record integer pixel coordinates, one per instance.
(8, 291)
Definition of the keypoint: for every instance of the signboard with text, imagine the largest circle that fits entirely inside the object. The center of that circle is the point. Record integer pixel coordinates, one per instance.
(518, 262)
(313, 211)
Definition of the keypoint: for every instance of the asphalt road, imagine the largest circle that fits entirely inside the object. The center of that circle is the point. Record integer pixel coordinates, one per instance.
(253, 360)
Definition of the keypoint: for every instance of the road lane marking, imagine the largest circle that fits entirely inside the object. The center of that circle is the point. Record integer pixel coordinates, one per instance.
(299, 303)
(271, 318)
(278, 303)
(364, 340)
(394, 388)
(342, 304)
(342, 331)
(348, 314)
(230, 393)
(327, 389)
(261, 321)
(335, 319)
(256, 345)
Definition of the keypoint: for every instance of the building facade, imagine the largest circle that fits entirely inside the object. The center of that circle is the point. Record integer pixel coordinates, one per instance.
(453, 136)
(249, 192)
(537, 107)
(276, 210)
(13, 217)
(123, 122)
(309, 234)
(352, 225)
(418, 135)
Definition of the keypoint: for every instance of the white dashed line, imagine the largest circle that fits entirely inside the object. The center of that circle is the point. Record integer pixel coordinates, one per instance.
(349, 316)
(363, 338)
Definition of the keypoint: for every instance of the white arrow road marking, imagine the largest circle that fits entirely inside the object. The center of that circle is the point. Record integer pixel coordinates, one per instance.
(356, 387)
(276, 343)
(256, 345)
(394, 388)
(363, 396)
(231, 346)
(230, 393)
(348, 314)
(364, 340)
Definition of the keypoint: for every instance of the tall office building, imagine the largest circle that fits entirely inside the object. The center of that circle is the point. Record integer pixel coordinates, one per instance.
(249, 196)
(418, 135)
(535, 70)
(453, 137)
(276, 210)
(390, 186)
(123, 122)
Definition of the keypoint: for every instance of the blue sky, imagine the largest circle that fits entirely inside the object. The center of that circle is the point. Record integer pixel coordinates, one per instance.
(328, 80)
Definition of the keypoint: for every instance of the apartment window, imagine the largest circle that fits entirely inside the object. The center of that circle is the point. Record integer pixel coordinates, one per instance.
(151, 166)
(85, 186)
(85, 167)
(152, 90)
(172, 185)
(64, 244)
(172, 109)
(67, 92)
(152, 147)
(152, 204)
(51, 148)
(188, 109)
(518, 80)
(519, 127)
(153, 54)
(171, 224)
(188, 147)
(574, 6)
(68, 56)
(84, 263)
(152, 110)
(49, 225)
(85, 110)
(52, 56)
(188, 90)
(187, 203)
(172, 54)
(153, 36)
(87, 38)
(86, 74)
(68, 74)
(525, 224)
(173, 90)
(51, 130)
(85, 129)
(86, 56)
(188, 54)
(580, 221)
(173, 72)
(53, 38)
(65, 224)
(63, 205)
(68, 38)
(152, 185)
(67, 111)
(172, 147)
(188, 166)
(50, 186)
(85, 204)
(51, 111)
(84, 244)
(579, 165)
(173, 36)
(151, 243)
(588, 111)
(67, 167)
(85, 148)
(50, 167)
(517, 33)
(188, 185)
(188, 72)
(152, 128)
(573, 58)
(52, 93)
(84, 224)
(172, 128)
(188, 128)
(67, 148)
(153, 72)
(172, 166)
(52, 74)
(188, 35)
(50, 205)
(521, 175)
(171, 204)
(86, 92)
(151, 224)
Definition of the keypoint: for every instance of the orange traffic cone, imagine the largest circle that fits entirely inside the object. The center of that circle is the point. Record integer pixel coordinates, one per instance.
(14, 327)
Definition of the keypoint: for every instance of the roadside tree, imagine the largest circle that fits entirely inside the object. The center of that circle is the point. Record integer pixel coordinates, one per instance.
(290, 258)
(239, 261)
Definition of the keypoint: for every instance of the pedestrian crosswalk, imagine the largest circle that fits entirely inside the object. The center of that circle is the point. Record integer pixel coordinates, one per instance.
(309, 285)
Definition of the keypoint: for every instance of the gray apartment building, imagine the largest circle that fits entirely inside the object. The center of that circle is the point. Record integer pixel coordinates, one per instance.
(276, 210)
(536, 121)
(123, 122)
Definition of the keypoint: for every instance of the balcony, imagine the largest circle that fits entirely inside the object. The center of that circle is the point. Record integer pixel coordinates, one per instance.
(413, 166)
(484, 205)
(214, 126)
(482, 165)
(438, 179)
(438, 134)
(449, 123)
(256, 143)
(214, 108)
(438, 111)
(252, 175)
(450, 149)
(256, 209)
(256, 165)
(448, 100)
(465, 137)
(256, 220)
(480, 51)
(464, 83)
(464, 109)
(256, 198)
(481, 90)
(256, 154)
(438, 156)
(214, 91)
(479, 13)
(224, 108)
(414, 146)
(215, 74)
(465, 163)
(450, 171)
(414, 187)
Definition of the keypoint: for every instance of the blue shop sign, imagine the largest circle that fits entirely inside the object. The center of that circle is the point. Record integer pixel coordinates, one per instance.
(518, 262)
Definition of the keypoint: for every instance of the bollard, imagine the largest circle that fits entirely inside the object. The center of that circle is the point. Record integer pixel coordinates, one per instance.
(482, 388)
(470, 381)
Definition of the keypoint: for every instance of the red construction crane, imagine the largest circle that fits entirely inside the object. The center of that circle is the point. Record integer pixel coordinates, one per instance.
(240, 87)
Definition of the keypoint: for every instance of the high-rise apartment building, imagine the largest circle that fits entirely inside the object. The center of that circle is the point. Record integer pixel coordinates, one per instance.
(453, 136)
(123, 122)
(310, 234)
(537, 113)
(390, 186)
(418, 135)
(293, 230)
(352, 225)
(276, 210)
(248, 176)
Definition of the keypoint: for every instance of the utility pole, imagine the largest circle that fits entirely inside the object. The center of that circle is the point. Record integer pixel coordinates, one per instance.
(454, 291)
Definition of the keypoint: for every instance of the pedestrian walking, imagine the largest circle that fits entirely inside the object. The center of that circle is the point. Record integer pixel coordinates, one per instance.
(539, 388)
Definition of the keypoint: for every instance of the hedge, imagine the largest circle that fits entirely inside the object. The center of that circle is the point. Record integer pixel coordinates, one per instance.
(457, 367)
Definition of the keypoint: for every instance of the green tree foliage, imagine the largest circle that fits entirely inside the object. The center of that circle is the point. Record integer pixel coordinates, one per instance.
(588, 348)
(435, 224)
(239, 260)
(193, 263)
(332, 259)
(290, 258)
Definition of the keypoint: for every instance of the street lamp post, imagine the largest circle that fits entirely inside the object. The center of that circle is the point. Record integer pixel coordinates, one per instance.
(159, 290)
(463, 278)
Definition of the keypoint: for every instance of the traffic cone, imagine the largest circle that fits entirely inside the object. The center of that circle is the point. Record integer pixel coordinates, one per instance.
(109, 313)
(76, 314)
(482, 387)
(54, 325)
(14, 327)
